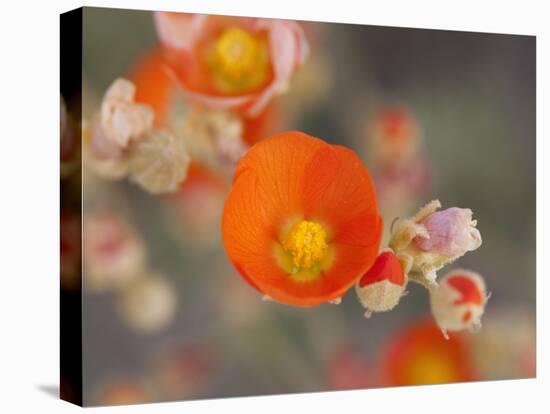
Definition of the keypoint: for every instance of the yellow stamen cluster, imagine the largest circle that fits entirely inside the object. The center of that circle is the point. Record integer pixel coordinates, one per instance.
(239, 60)
(307, 243)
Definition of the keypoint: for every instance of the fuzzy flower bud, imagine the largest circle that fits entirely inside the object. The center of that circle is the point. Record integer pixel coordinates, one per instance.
(451, 232)
(435, 238)
(381, 288)
(122, 119)
(159, 162)
(113, 253)
(148, 304)
(458, 301)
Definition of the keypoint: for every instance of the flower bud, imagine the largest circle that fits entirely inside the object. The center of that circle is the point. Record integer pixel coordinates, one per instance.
(435, 238)
(458, 302)
(123, 120)
(113, 253)
(159, 162)
(148, 304)
(451, 232)
(381, 288)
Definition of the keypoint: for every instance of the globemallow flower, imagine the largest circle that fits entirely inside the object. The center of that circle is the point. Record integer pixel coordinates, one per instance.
(458, 301)
(236, 63)
(435, 238)
(301, 223)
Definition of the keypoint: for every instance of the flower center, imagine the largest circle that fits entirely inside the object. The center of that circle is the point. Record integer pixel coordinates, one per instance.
(307, 243)
(239, 60)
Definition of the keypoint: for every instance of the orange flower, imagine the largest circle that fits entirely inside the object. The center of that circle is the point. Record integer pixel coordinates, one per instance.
(301, 223)
(231, 62)
(421, 355)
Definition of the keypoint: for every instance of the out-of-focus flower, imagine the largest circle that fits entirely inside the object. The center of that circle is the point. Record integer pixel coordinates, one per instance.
(458, 301)
(506, 346)
(393, 136)
(122, 119)
(159, 163)
(198, 205)
(70, 251)
(419, 355)
(68, 141)
(301, 223)
(122, 390)
(231, 62)
(113, 253)
(215, 136)
(184, 371)
(380, 289)
(349, 369)
(148, 304)
(435, 238)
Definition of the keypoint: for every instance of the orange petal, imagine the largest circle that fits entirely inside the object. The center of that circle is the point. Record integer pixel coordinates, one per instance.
(154, 84)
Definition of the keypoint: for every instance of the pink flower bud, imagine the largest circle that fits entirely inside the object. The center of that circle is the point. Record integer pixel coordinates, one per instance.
(458, 302)
(381, 288)
(113, 253)
(452, 232)
(434, 239)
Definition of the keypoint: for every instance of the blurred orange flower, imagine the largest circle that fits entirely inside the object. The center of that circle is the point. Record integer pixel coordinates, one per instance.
(156, 87)
(301, 222)
(419, 355)
(122, 390)
(231, 62)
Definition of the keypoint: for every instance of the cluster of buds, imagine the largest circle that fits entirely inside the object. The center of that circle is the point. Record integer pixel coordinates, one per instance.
(418, 248)
(434, 239)
(122, 142)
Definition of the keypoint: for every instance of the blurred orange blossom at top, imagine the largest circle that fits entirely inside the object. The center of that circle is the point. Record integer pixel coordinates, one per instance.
(227, 62)
(301, 223)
